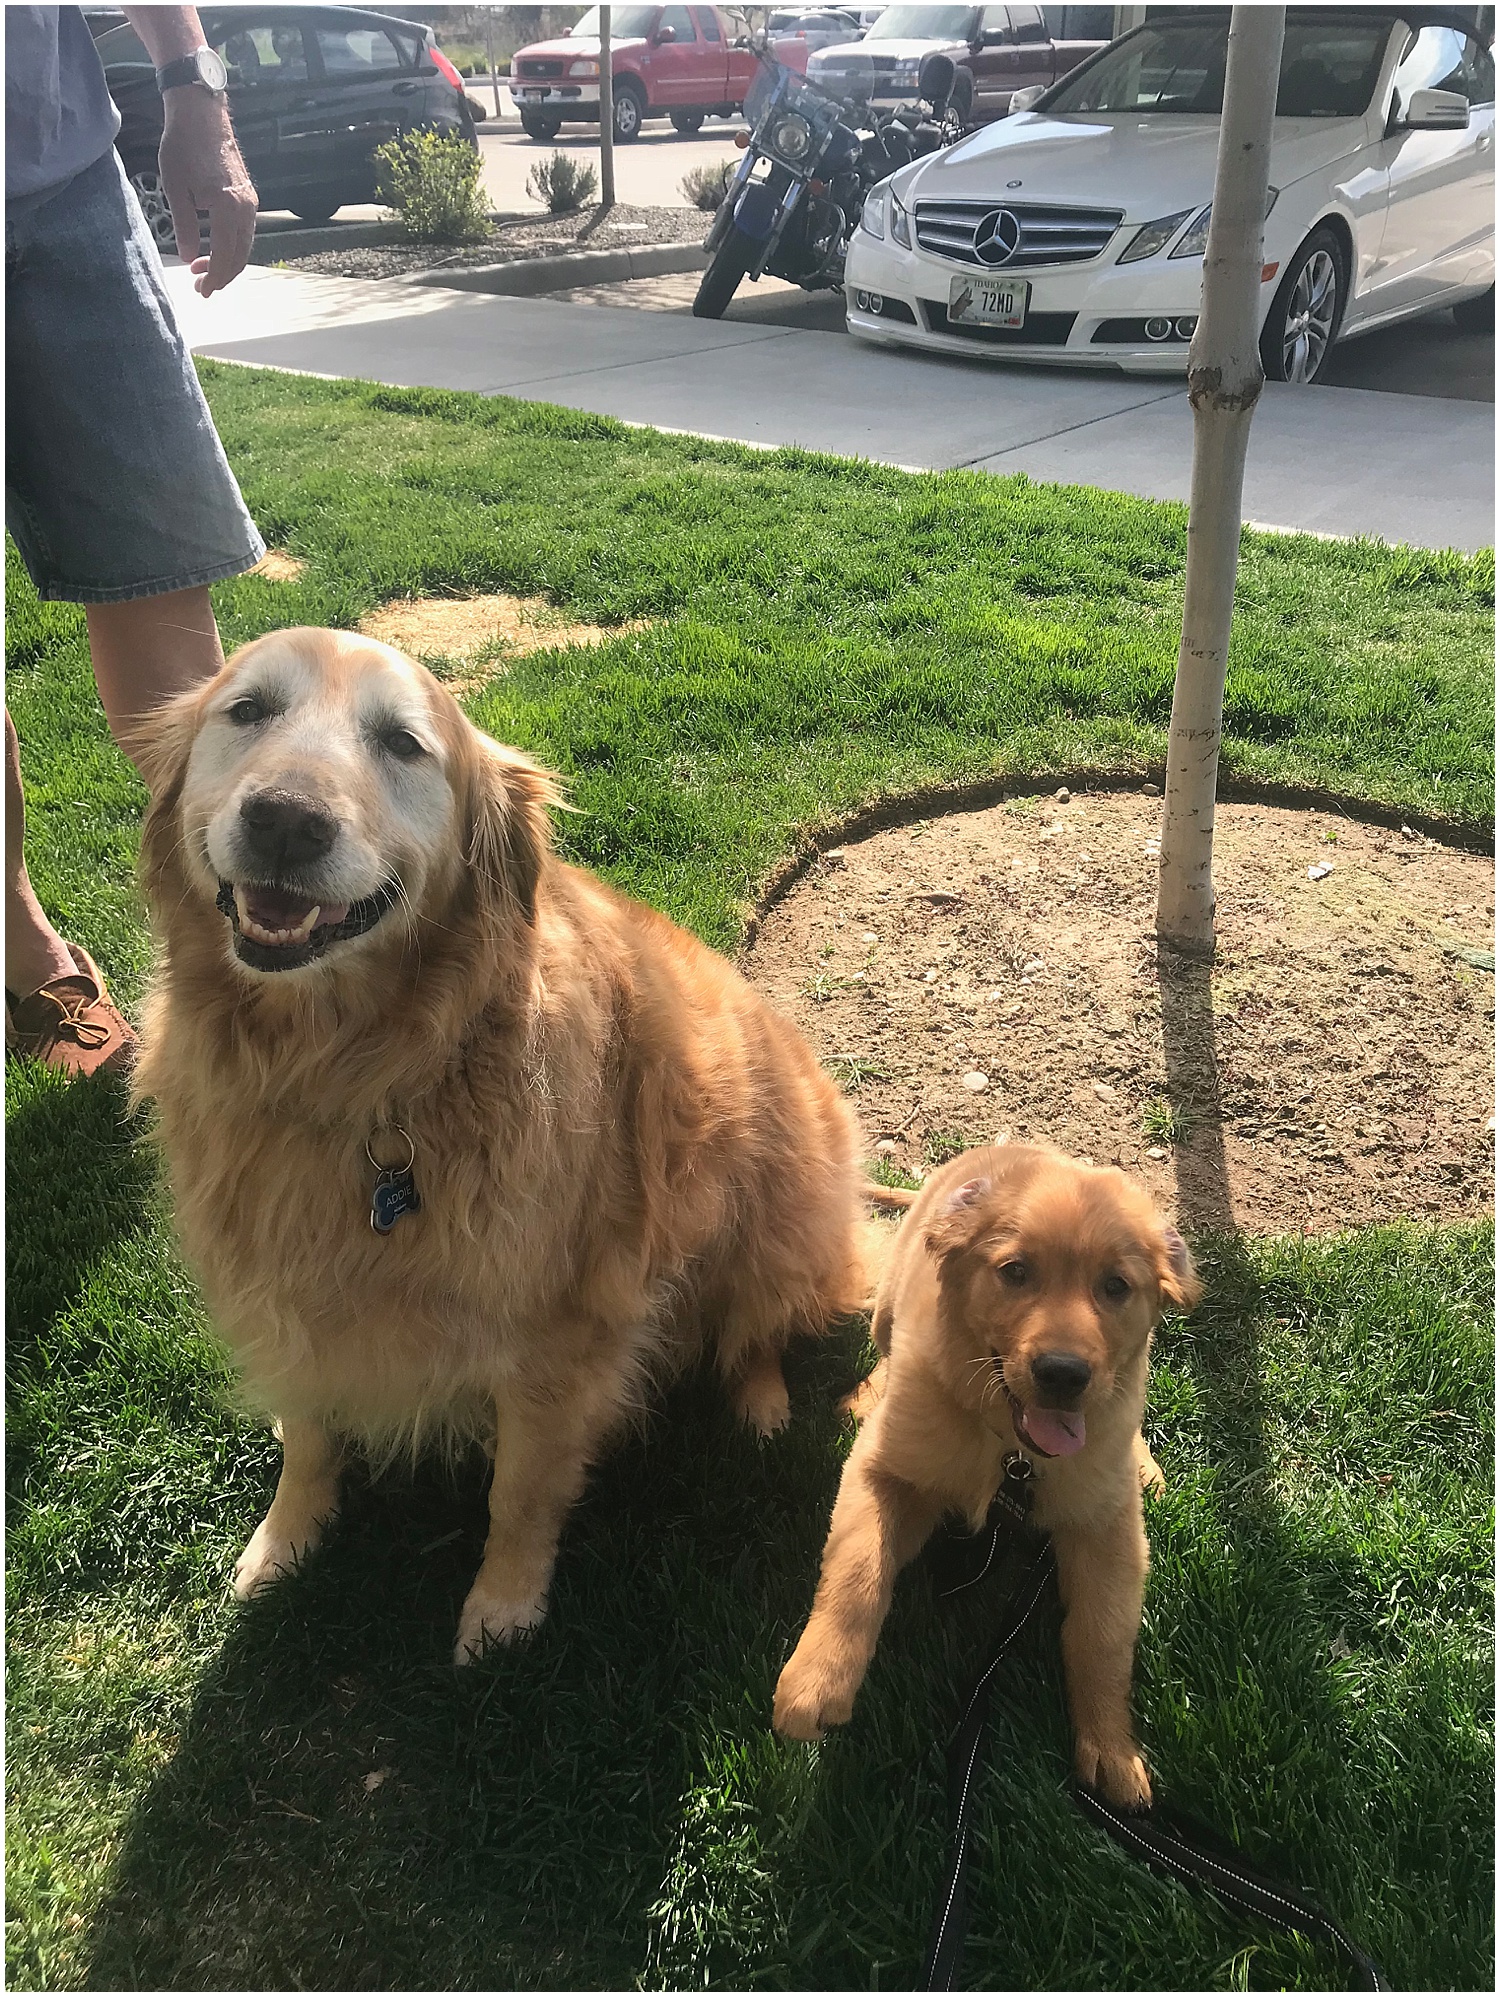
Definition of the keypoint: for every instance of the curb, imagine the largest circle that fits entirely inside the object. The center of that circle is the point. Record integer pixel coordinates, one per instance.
(527, 277)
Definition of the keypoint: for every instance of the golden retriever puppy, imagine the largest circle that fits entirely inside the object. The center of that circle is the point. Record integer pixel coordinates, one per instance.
(462, 1143)
(1016, 1312)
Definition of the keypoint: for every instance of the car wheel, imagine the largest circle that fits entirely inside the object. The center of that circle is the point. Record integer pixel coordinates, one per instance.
(1476, 315)
(1304, 318)
(544, 130)
(154, 206)
(687, 122)
(630, 109)
(961, 103)
(316, 207)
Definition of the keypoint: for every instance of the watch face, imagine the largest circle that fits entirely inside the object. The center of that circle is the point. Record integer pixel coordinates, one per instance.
(211, 69)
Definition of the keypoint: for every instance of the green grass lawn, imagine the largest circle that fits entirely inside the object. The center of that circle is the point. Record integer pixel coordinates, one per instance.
(304, 1794)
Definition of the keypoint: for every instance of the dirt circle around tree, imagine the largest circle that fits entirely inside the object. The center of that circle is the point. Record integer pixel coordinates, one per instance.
(993, 974)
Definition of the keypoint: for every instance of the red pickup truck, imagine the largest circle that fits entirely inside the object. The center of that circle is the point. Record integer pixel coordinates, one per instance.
(680, 61)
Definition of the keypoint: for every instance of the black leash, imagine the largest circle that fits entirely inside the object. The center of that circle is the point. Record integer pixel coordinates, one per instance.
(1165, 1839)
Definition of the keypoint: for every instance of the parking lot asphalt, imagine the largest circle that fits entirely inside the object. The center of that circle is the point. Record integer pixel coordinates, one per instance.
(1343, 461)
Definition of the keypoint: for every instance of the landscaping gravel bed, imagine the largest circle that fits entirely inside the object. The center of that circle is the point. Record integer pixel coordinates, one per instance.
(516, 237)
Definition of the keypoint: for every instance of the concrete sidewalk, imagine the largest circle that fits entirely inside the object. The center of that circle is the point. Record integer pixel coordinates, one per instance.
(1408, 469)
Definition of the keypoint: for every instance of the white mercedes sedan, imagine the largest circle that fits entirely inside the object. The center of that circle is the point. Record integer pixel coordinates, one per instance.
(1074, 231)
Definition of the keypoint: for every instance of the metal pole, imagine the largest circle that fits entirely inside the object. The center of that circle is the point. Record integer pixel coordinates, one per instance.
(489, 50)
(1224, 384)
(606, 114)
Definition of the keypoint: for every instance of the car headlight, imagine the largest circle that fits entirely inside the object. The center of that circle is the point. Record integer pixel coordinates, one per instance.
(872, 219)
(1152, 237)
(900, 224)
(583, 68)
(1195, 242)
(792, 137)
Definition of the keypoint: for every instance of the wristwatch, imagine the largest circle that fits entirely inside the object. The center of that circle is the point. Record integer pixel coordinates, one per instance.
(203, 67)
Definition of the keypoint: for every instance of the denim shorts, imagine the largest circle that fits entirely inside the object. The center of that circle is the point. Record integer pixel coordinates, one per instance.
(116, 484)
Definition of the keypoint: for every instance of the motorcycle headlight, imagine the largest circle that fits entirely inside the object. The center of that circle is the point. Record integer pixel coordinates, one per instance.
(583, 68)
(900, 224)
(792, 137)
(1153, 237)
(872, 220)
(1195, 242)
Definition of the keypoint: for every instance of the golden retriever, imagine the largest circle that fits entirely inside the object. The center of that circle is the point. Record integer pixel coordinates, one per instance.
(620, 1154)
(1016, 1312)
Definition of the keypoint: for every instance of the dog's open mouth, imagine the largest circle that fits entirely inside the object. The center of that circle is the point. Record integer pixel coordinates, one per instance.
(277, 929)
(1049, 1431)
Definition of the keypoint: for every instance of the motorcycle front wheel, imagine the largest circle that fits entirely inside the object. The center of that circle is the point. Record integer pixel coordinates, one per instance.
(721, 280)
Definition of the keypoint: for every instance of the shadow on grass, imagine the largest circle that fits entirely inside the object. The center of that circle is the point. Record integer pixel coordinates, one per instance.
(605, 1807)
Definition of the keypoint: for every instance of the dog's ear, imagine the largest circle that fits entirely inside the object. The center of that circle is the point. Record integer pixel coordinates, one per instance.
(160, 746)
(507, 834)
(952, 1226)
(1175, 1274)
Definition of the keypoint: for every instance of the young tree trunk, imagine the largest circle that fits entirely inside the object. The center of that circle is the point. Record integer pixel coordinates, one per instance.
(606, 114)
(1224, 384)
(489, 53)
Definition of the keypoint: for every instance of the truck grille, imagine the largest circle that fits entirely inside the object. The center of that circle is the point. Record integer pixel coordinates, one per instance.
(998, 235)
(537, 67)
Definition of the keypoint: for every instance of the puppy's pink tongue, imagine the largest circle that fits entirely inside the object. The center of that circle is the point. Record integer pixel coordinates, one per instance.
(1058, 1433)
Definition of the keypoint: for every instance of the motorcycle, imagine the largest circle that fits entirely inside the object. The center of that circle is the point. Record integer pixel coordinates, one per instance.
(809, 161)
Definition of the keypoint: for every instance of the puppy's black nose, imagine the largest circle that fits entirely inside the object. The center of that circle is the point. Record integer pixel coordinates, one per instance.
(1061, 1376)
(283, 829)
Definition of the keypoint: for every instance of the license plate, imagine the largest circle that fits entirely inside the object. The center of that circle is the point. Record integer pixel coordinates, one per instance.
(533, 93)
(988, 301)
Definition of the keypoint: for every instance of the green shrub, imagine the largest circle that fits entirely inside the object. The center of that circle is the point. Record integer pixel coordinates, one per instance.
(433, 183)
(706, 186)
(563, 182)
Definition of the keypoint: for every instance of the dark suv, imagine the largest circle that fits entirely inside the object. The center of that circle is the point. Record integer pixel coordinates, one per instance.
(998, 51)
(312, 91)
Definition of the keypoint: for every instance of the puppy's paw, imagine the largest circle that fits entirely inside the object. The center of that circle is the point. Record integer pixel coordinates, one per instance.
(272, 1553)
(811, 1696)
(1116, 1771)
(867, 1396)
(1152, 1479)
(488, 1621)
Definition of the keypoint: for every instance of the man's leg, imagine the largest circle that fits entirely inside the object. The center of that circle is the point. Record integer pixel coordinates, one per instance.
(149, 648)
(34, 952)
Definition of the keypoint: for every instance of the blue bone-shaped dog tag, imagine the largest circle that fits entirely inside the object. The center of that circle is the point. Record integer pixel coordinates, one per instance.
(395, 1194)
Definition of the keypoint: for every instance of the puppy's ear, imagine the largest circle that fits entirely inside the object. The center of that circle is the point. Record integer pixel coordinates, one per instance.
(952, 1226)
(160, 746)
(1175, 1274)
(507, 835)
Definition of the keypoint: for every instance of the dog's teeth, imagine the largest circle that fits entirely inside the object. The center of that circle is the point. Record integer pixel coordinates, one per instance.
(239, 907)
(307, 925)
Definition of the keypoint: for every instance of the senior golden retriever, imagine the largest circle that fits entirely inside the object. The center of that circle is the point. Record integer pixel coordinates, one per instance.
(1016, 1313)
(618, 1153)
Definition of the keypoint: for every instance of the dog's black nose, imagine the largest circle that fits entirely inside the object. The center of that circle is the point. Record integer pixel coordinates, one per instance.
(1061, 1376)
(283, 829)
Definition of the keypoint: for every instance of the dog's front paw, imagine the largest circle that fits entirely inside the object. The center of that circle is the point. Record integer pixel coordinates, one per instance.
(272, 1553)
(1152, 1480)
(1117, 1772)
(488, 1621)
(811, 1695)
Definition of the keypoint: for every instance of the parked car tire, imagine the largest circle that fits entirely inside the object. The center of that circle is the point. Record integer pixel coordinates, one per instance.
(721, 280)
(1476, 315)
(687, 122)
(1303, 322)
(537, 125)
(630, 109)
(154, 206)
(962, 100)
(316, 207)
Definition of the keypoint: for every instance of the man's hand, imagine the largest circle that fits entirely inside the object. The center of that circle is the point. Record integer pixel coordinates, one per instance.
(201, 168)
(200, 162)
